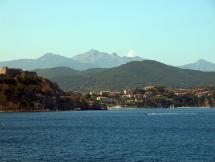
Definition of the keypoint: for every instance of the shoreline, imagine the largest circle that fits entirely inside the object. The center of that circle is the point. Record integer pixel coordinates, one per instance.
(109, 108)
(121, 108)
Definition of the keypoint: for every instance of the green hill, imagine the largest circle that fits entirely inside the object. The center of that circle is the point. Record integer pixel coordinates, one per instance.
(56, 72)
(134, 74)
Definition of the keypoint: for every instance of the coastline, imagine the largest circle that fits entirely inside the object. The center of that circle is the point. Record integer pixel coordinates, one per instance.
(108, 108)
(130, 108)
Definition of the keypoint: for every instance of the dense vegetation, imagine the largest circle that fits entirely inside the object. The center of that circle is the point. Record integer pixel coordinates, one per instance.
(134, 74)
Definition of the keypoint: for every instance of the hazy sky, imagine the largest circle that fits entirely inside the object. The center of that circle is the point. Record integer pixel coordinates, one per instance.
(170, 31)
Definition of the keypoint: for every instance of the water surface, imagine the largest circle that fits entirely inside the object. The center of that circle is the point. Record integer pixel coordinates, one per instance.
(122, 135)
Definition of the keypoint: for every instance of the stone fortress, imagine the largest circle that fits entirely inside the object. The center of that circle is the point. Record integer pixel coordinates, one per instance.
(11, 72)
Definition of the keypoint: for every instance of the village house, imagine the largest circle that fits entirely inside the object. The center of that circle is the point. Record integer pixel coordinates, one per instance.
(128, 96)
(128, 91)
(149, 88)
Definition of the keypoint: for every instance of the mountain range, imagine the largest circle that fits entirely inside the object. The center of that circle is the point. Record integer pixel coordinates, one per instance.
(90, 59)
(95, 70)
(201, 65)
(104, 60)
(48, 60)
(130, 75)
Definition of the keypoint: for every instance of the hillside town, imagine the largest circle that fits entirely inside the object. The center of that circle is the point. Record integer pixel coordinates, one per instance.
(153, 97)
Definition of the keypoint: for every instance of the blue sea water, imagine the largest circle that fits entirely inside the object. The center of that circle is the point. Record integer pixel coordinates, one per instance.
(153, 135)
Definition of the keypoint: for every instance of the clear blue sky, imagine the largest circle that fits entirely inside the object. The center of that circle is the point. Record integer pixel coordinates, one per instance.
(170, 31)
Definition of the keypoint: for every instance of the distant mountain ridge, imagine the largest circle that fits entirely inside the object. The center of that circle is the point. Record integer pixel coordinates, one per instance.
(201, 65)
(48, 60)
(104, 60)
(131, 75)
(88, 60)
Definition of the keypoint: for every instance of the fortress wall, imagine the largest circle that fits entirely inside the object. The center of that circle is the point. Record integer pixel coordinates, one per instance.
(3, 70)
(16, 72)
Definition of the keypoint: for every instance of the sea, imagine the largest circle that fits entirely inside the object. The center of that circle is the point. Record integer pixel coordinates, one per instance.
(133, 135)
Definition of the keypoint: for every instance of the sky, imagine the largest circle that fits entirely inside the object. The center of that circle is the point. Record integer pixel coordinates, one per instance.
(175, 32)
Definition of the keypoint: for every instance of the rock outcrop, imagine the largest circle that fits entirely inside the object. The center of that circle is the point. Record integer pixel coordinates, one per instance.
(32, 93)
